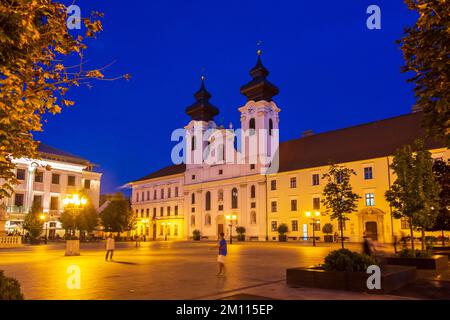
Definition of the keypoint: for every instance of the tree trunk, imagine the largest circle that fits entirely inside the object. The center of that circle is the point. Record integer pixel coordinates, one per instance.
(412, 234)
(342, 235)
(423, 240)
(443, 239)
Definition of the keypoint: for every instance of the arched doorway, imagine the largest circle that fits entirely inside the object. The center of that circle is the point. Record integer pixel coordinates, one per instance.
(371, 221)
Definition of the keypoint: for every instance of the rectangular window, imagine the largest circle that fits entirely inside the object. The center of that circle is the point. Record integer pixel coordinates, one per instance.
(154, 213)
(154, 194)
(148, 195)
(176, 191)
(293, 205)
(274, 206)
(220, 171)
(293, 182)
(39, 176)
(147, 213)
(273, 185)
(370, 199)
(54, 203)
(193, 209)
(87, 184)
(162, 193)
(252, 166)
(161, 211)
(37, 201)
(137, 197)
(316, 203)
(220, 195)
(18, 199)
(193, 177)
(176, 210)
(143, 195)
(168, 211)
(294, 224)
(316, 225)
(404, 223)
(368, 174)
(253, 205)
(220, 207)
(315, 179)
(274, 226)
(55, 178)
(142, 213)
(169, 192)
(71, 180)
(20, 174)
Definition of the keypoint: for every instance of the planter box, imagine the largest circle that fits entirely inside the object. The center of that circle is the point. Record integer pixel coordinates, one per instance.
(241, 238)
(435, 262)
(72, 247)
(328, 238)
(392, 278)
(282, 238)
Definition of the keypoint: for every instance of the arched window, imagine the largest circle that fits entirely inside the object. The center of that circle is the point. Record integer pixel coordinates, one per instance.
(192, 220)
(193, 198)
(208, 220)
(252, 126)
(253, 192)
(253, 217)
(270, 127)
(234, 198)
(208, 201)
(193, 142)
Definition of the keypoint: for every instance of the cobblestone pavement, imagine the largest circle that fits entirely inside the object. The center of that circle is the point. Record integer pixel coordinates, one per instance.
(164, 270)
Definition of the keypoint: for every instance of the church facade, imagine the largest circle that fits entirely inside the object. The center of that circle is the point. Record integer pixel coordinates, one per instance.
(216, 196)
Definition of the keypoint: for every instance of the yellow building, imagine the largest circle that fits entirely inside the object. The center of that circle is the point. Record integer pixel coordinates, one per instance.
(177, 200)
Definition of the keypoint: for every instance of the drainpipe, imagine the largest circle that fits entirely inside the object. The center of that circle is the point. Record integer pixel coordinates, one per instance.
(267, 213)
(390, 207)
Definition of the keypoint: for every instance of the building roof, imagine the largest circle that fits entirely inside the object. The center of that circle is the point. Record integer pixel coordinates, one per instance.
(202, 109)
(366, 141)
(53, 153)
(166, 171)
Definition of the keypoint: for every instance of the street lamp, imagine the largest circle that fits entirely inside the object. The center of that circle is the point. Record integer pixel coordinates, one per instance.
(42, 217)
(314, 221)
(75, 202)
(231, 218)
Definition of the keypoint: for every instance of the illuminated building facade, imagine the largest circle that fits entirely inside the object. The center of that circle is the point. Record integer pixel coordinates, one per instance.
(47, 181)
(209, 194)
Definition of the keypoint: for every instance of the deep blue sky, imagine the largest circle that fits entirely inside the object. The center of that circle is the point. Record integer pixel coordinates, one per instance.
(331, 70)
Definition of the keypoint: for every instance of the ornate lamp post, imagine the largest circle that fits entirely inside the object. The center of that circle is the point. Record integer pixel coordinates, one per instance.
(314, 220)
(231, 219)
(75, 202)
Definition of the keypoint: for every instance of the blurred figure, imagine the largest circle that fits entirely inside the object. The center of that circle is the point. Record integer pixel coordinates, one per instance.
(336, 237)
(110, 246)
(395, 242)
(368, 247)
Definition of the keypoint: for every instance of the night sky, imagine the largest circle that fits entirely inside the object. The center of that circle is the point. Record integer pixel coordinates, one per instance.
(331, 70)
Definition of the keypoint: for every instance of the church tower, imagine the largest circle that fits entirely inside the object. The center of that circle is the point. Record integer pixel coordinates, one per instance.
(202, 114)
(259, 118)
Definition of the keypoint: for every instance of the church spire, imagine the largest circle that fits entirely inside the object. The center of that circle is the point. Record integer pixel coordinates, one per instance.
(259, 88)
(202, 110)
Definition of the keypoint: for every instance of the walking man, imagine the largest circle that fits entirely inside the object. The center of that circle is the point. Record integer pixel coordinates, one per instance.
(222, 254)
(110, 246)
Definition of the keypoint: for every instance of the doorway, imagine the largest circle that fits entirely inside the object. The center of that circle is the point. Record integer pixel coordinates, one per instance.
(372, 230)
(219, 229)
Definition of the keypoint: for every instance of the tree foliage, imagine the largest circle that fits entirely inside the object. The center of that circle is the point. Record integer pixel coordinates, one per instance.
(9, 288)
(33, 222)
(117, 216)
(37, 69)
(338, 196)
(426, 50)
(414, 195)
(79, 218)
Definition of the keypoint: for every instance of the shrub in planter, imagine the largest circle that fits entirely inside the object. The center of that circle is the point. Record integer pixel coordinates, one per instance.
(240, 233)
(196, 235)
(9, 288)
(328, 230)
(346, 260)
(409, 253)
(282, 230)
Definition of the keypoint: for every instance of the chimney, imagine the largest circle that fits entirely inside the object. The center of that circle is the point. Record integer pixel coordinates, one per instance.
(307, 133)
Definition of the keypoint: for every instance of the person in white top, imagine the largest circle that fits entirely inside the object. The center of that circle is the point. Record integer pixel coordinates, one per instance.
(110, 246)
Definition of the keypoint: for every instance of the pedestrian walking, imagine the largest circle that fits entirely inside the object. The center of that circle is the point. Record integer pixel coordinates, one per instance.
(336, 237)
(110, 246)
(222, 254)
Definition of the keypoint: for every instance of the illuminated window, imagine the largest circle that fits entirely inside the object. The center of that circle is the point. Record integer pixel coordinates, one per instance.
(192, 220)
(220, 195)
(370, 199)
(293, 182)
(273, 185)
(54, 203)
(316, 203)
(274, 226)
(252, 192)
(274, 206)
(294, 225)
(234, 198)
(404, 223)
